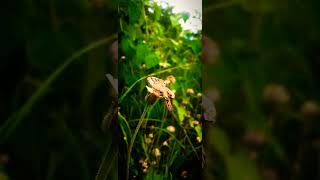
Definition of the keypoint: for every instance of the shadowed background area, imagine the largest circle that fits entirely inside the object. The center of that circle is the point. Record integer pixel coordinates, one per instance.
(263, 75)
(57, 134)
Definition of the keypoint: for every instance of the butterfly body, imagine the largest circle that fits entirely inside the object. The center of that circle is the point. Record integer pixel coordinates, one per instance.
(160, 88)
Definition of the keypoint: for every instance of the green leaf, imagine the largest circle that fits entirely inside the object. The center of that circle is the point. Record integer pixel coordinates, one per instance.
(157, 12)
(145, 55)
(196, 46)
(198, 129)
(180, 110)
(131, 31)
(152, 175)
(127, 46)
(158, 30)
(135, 11)
(152, 60)
(191, 119)
(142, 51)
(174, 21)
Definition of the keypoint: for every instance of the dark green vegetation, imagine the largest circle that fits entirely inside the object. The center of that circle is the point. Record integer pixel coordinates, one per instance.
(54, 93)
(268, 80)
(158, 143)
(267, 76)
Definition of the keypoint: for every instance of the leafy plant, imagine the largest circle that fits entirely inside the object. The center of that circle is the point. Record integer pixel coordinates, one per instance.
(152, 43)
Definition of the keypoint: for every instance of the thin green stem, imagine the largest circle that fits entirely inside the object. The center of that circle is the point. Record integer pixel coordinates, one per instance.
(218, 6)
(161, 126)
(150, 110)
(107, 163)
(170, 158)
(155, 120)
(127, 126)
(105, 156)
(52, 165)
(133, 139)
(11, 124)
(172, 135)
(193, 148)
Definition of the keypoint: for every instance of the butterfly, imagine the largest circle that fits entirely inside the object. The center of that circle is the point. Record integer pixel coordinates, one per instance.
(160, 89)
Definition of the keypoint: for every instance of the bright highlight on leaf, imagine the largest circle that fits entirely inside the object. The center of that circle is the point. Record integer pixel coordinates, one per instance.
(189, 10)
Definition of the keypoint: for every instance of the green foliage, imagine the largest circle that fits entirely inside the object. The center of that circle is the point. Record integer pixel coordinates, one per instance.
(152, 43)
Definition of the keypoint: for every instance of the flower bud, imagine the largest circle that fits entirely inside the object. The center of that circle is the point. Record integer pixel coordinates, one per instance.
(275, 93)
(190, 91)
(310, 108)
(171, 79)
(156, 152)
(171, 129)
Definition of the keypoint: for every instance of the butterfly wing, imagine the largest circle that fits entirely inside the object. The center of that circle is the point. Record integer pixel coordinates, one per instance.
(169, 105)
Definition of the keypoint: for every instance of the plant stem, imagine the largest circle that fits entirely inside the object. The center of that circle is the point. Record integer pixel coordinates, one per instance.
(219, 6)
(193, 148)
(8, 127)
(161, 126)
(141, 121)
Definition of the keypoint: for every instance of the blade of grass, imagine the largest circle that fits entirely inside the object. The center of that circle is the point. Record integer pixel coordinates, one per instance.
(144, 147)
(219, 6)
(11, 124)
(125, 122)
(161, 126)
(155, 120)
(53, 164)
(172, 135)
(193, 148)
(189, 141)
(107, 163)
(173, 155)
(134, 137)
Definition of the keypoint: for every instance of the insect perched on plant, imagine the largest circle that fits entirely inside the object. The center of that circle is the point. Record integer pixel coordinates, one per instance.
(159, 88)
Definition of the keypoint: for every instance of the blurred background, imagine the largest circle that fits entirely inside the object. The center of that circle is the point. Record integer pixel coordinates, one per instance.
(58, 133)
(263, 75)
(261, 71)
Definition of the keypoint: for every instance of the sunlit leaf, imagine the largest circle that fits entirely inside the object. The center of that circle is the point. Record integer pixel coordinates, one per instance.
(127, 46)
(142, 51)
(180, 110)
(152, 60)
(157, 12)
(198, 129)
